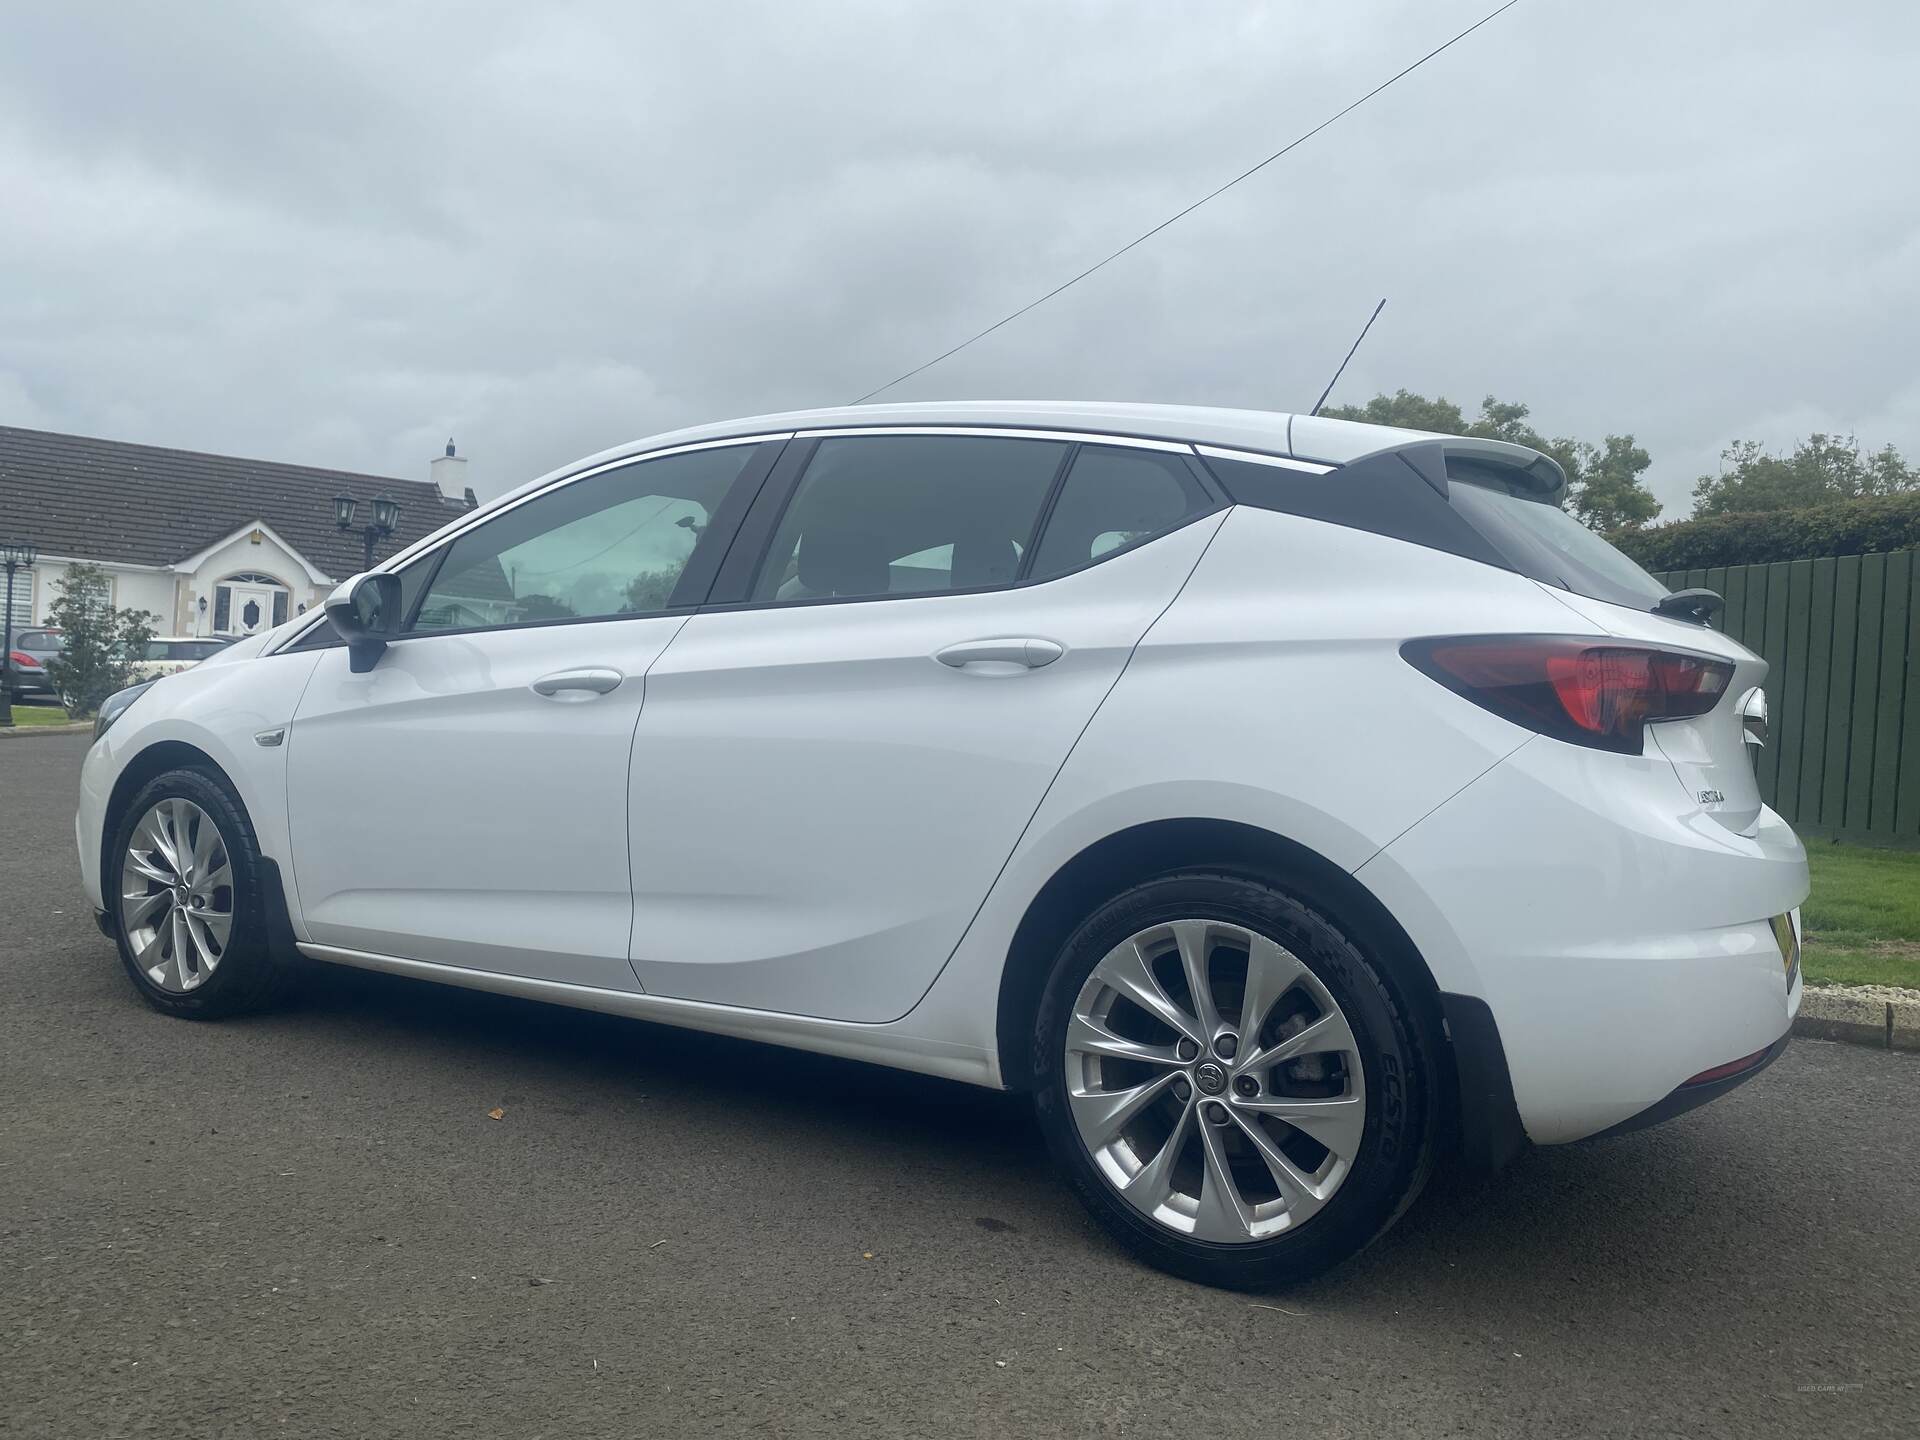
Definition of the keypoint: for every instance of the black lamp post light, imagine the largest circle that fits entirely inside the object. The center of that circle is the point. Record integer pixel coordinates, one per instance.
(386, 515)
(15, 555)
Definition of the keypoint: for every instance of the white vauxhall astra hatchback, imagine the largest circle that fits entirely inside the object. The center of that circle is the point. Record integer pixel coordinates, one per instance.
(1282, 802)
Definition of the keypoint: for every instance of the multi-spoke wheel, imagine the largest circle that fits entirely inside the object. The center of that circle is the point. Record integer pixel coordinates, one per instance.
(176, 895)
(183, 879)
(1214, 1080)
(1234, 1083)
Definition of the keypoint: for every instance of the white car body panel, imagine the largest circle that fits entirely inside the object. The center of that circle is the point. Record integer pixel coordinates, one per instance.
(218, 708)
(1619, 958)
(502, 843)
(1338, 756)
(819, 804)
(888, 822)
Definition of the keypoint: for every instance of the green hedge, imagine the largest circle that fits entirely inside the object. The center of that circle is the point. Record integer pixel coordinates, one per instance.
(1846, 527)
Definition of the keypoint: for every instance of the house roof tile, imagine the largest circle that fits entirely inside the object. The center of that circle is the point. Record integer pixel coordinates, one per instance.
(110, 501)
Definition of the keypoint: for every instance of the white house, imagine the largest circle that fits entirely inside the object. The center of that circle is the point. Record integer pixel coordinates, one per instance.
(205, 544)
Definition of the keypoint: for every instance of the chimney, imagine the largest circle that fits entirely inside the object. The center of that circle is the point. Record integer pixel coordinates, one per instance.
(449, 473)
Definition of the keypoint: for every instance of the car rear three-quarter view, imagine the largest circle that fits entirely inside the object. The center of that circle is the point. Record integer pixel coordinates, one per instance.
(1283, 802)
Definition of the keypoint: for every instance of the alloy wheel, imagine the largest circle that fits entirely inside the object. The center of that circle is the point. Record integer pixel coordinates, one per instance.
(176, 895)
(1214, 1081)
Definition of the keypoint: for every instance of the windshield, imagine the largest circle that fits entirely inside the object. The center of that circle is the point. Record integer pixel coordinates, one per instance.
(1542, 541)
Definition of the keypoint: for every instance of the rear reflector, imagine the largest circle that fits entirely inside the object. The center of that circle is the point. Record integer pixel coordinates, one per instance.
(1596, 693)
(1731, 1068)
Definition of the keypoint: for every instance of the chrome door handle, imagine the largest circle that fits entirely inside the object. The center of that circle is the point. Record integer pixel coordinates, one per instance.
(1028, 654)
(597, 680)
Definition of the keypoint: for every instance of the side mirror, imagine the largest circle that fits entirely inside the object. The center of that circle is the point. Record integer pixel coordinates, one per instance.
(365, 611)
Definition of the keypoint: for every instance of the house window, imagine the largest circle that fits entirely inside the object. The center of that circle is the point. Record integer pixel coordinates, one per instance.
(249, 602)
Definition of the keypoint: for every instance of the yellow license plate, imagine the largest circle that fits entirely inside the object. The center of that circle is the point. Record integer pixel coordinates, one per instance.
(1789, 943)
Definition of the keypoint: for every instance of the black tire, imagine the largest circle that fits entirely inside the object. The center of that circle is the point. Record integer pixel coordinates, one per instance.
(1397, 1146)
(249, 976)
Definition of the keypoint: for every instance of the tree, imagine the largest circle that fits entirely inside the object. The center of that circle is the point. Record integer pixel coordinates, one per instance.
(1609, 496)
(1817, 471)
(99, 645)
(648, 591)
(1604, 488)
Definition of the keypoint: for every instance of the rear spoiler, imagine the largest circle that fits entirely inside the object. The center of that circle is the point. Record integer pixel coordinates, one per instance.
(1539, 475)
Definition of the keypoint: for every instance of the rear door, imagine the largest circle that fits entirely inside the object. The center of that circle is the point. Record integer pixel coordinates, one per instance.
(836, 759)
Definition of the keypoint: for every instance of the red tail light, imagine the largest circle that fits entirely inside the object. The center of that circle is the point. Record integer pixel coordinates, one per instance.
(1599, 693)
(19, 659)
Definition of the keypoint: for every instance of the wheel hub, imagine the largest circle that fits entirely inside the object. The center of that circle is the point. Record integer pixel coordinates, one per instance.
(1211, 1077)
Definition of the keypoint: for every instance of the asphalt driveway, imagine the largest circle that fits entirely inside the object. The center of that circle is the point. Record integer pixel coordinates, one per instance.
(307, 1223)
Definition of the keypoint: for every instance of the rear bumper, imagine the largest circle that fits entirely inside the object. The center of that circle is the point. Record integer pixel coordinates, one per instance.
(1697, 1093)
(1617, 935)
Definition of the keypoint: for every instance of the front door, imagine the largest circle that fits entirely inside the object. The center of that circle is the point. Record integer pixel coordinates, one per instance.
(828, 775)
(250, 607)
(465, 800)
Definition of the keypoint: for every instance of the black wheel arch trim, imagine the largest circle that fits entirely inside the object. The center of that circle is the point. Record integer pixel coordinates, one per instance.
(1491, 1133)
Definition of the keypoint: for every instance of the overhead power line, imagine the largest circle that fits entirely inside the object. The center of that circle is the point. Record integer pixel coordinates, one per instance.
(1182, 214)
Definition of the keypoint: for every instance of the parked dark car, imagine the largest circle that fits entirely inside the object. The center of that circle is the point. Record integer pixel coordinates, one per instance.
(27, 665)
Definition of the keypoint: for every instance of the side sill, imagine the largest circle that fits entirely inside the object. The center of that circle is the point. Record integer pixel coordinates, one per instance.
(1491, 1133)
(877, 1044)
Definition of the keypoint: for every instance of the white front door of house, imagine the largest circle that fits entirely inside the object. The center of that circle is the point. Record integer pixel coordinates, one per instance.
(251, 608)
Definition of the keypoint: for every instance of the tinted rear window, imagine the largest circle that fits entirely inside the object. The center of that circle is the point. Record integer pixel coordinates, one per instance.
(1544, 542)
(40, 642)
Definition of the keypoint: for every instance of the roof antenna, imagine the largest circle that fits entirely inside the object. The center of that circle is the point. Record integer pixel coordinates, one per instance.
(1343, 364)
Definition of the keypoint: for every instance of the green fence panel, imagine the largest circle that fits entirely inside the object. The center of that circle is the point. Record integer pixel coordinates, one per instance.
(1775, 650)
(1733, 619)
(1907, 796)
(1894, 659)
(1787, 687)
(1811, 740)
(1866, 691)
(1846, 625)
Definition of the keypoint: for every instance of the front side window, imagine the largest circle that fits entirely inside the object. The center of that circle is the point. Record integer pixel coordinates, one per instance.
(908, 514)
(1113, 497)
(609, 545)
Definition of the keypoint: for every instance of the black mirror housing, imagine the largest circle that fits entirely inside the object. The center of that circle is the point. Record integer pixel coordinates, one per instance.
(365, 612)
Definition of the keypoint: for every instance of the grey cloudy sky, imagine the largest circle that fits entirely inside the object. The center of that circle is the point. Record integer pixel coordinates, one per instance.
(334, 234)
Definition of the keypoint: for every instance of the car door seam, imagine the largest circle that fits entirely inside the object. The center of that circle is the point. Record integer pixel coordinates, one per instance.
(626, 832)
(299, 911)
(1060, 769)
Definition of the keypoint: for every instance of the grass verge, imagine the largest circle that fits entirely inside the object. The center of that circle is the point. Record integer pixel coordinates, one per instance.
(1862, 920)
(38, 714)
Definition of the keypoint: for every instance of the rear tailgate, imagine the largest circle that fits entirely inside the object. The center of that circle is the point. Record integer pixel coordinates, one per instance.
(1709, 753)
